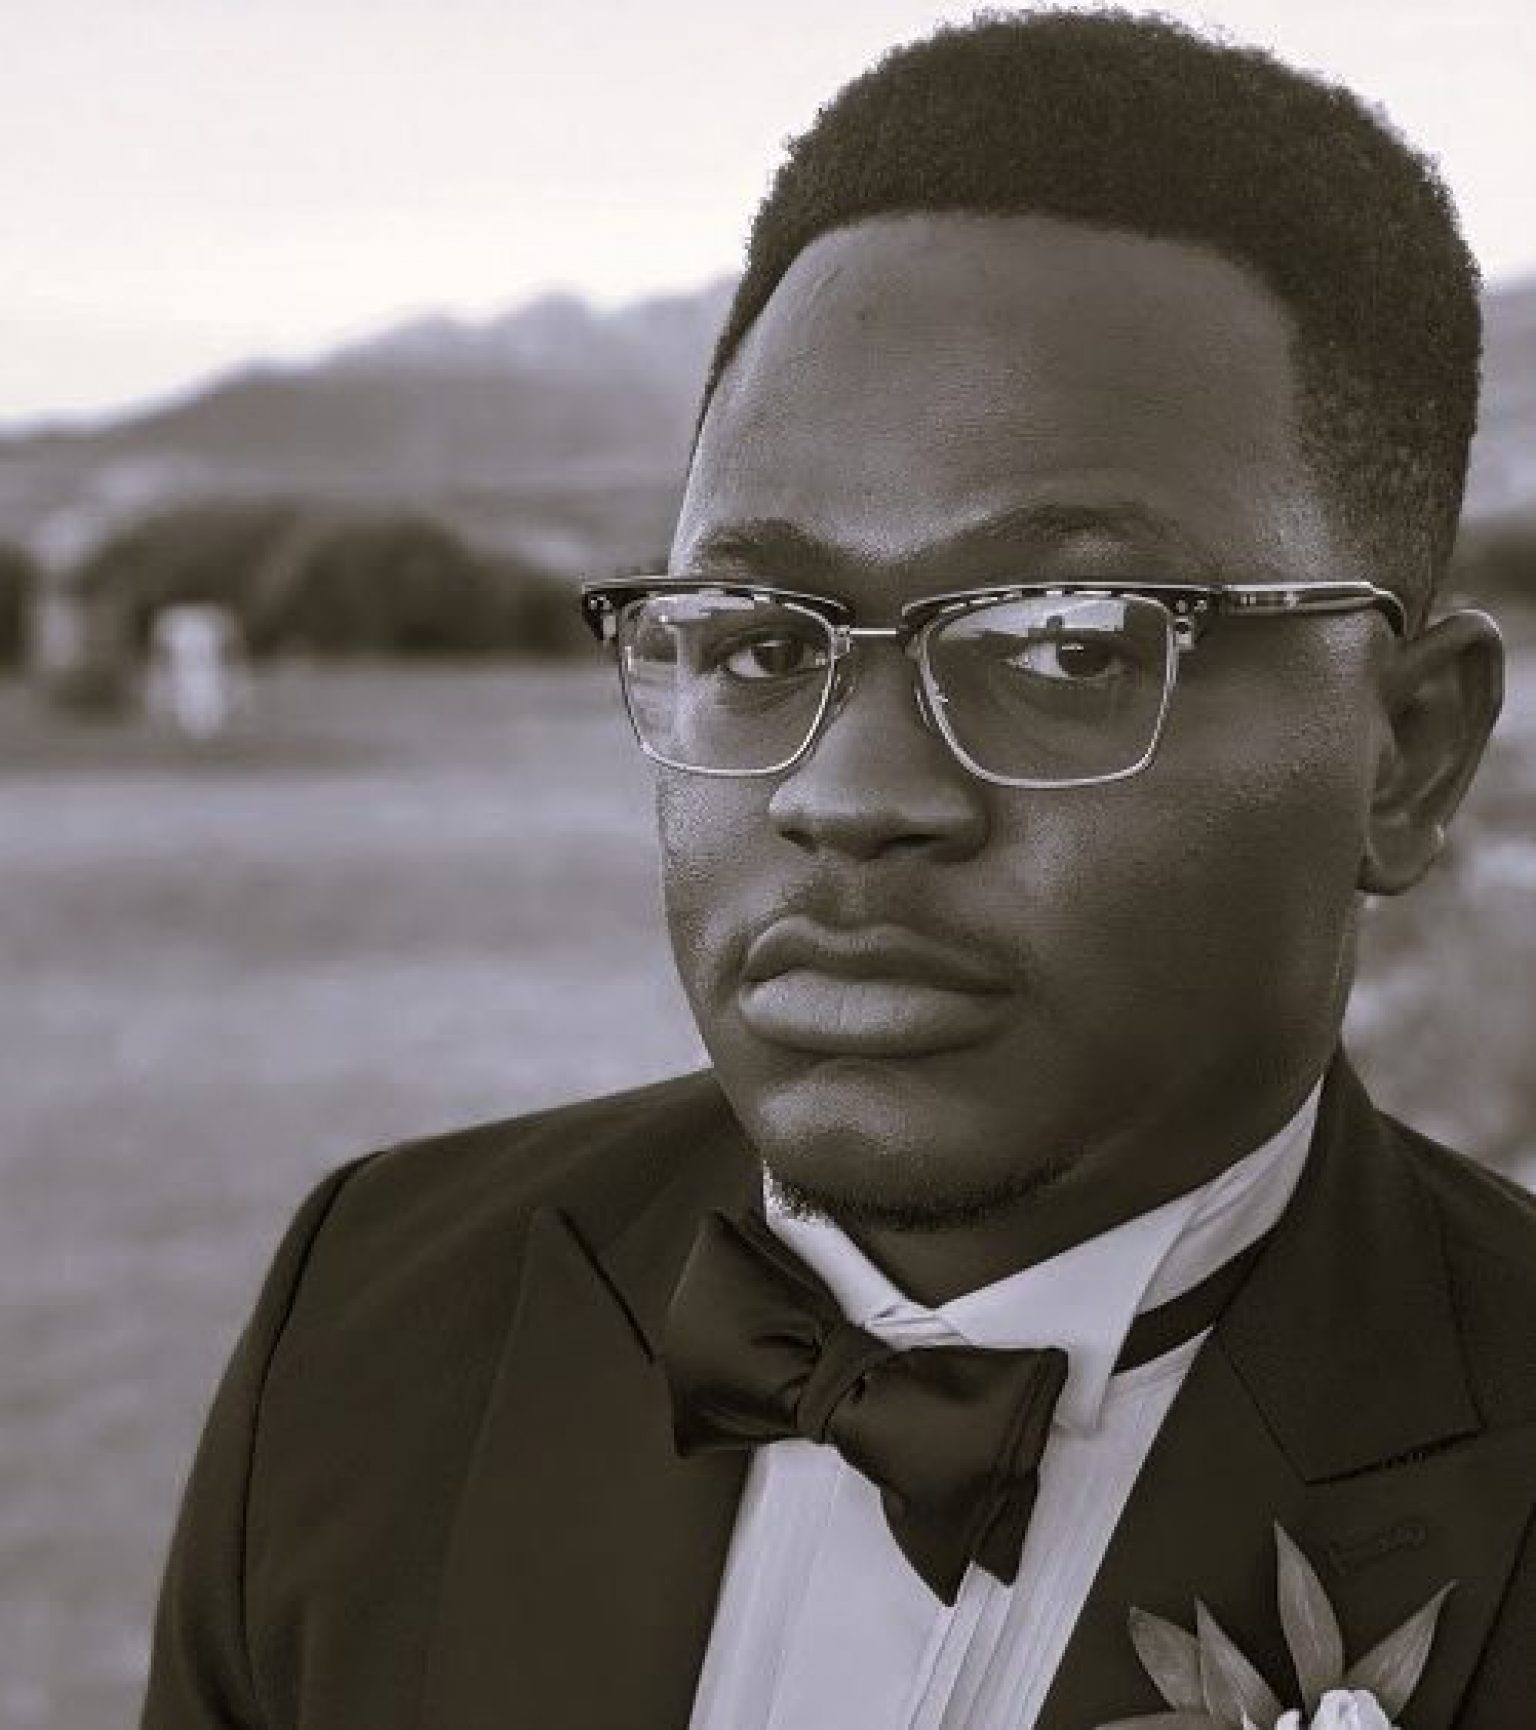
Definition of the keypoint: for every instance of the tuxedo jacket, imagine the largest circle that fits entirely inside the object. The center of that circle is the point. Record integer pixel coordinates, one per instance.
(437, 1489)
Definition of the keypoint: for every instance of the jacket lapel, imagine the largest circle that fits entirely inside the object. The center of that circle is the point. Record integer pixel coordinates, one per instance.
(581, 1577)
(582, 1572)
(1332, 1399)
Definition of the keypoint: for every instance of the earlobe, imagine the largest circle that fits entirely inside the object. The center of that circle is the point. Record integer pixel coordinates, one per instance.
(1442, 696)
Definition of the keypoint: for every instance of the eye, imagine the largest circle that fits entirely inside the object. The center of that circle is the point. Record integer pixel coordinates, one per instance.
(1078, 660)
(770, 655)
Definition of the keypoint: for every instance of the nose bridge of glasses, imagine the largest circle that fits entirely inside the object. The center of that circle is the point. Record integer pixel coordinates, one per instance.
(846, 638)
(848, 635)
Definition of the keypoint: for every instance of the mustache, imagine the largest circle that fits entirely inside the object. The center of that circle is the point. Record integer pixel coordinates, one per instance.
(873, 935)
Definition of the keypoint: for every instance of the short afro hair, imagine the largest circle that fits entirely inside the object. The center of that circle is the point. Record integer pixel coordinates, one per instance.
(1135, 122)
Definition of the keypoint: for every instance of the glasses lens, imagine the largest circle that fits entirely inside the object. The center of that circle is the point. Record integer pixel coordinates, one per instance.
(1053, 688)
(727, 682)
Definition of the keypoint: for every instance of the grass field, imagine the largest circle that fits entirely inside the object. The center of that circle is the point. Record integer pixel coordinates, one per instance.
(394, 902)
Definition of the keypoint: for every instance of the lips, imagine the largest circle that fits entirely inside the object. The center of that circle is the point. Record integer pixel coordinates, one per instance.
(874, 991)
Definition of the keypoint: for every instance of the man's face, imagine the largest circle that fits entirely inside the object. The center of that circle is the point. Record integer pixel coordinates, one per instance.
(981, 987)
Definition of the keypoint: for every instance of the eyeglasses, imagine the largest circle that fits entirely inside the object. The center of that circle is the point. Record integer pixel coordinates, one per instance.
(1030, 684)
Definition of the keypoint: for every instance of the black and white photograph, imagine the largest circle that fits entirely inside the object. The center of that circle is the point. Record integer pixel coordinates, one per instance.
(768, 829)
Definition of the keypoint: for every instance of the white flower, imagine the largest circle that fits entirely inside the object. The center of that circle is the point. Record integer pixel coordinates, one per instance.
(1290, 1721)
(1344, 1709)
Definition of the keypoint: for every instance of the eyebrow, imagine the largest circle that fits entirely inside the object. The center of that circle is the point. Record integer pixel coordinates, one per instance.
(771, 546)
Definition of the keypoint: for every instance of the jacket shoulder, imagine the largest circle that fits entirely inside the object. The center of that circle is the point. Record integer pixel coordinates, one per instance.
(339, 1456)
(1488, 1228)
(598, 1159)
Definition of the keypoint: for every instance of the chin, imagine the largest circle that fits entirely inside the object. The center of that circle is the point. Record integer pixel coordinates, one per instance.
(862, 1152)
(909, 1208)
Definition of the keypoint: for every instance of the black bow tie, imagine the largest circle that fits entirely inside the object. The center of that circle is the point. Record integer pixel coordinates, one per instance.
(757, 1350)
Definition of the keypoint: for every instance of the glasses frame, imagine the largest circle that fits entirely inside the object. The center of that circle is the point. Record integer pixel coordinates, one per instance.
(1190, 609)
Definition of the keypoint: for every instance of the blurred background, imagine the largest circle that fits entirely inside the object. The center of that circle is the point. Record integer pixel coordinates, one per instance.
(338, 338)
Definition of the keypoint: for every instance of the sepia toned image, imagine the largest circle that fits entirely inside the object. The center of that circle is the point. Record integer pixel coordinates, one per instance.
(768, 822)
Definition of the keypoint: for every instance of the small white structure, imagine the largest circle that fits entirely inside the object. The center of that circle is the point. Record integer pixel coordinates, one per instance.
(198, 678)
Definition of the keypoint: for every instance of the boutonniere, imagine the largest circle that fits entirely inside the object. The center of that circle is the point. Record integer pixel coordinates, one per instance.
(1210, 1685)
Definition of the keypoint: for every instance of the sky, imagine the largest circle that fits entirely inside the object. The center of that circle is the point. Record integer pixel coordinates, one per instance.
(191, 184)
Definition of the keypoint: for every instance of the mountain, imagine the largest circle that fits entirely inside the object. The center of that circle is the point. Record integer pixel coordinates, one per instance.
(556, 430)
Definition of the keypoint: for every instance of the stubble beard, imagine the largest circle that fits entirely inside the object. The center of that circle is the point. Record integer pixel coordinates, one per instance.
(852, 1206)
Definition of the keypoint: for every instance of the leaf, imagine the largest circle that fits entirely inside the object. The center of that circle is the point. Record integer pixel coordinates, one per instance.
(1311, 1628)
(1391, 1670)
(1171, 1658)
(1231, 1684)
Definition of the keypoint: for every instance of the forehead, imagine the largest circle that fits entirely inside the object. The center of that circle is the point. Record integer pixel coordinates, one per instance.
(922, 390)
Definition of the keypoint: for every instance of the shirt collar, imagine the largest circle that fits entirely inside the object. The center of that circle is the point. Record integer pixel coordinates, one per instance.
(1084, 1299)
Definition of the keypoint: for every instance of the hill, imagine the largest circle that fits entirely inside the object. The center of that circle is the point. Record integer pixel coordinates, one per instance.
(556, 431)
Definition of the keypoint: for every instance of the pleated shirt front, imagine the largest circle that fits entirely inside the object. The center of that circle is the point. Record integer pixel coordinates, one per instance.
(822, 1624)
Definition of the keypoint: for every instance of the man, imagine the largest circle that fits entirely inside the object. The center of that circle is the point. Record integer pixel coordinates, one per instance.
(1019, 927)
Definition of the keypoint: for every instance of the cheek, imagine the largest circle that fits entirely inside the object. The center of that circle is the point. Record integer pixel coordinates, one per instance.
(1272, 765)
(1248, 886)
(711, 834)
(1221, 879)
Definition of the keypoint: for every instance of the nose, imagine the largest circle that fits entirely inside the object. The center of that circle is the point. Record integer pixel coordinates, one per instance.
(879, 777)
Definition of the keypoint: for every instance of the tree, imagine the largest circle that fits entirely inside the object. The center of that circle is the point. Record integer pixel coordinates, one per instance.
(402, 585)
(211, 553)
(18, 575)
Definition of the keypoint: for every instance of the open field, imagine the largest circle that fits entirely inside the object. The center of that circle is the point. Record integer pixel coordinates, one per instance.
(397, 901)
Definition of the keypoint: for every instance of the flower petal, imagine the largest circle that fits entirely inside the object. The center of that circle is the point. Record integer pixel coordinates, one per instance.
(1171, 1658)
(1391, 1670)
(1349, 1709)
(1232, 1686)
(1311, 1628)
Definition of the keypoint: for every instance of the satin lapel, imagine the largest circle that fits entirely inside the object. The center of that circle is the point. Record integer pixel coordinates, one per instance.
(1333, 1400)
(1200, 1524)
(581, 1576)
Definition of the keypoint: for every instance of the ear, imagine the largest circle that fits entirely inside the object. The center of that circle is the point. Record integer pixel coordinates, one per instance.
(1441, 694)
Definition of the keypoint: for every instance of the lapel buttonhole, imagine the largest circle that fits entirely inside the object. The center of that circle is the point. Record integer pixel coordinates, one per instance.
(1349, 1555)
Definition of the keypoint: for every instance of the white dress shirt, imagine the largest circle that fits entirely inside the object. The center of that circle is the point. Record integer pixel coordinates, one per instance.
(821, 1622)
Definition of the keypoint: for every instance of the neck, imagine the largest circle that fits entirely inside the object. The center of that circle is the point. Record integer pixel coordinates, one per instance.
(1104, 1187)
